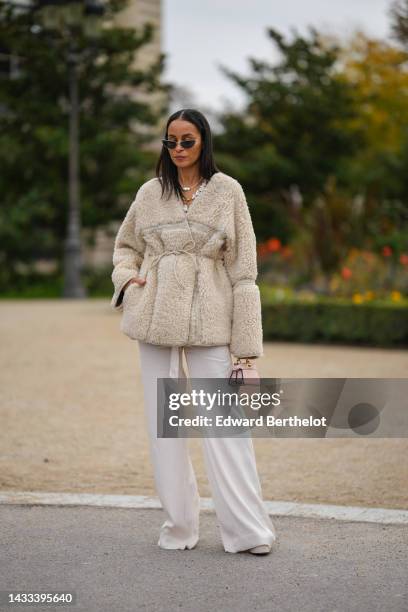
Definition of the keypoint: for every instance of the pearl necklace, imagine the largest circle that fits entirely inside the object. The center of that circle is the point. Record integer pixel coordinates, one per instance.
(195, 194)
(191, 186)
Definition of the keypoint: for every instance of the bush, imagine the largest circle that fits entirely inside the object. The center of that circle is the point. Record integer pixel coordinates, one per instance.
(377, 323)
(97, 283)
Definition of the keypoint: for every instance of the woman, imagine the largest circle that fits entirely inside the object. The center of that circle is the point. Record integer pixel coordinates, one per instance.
(184, 276)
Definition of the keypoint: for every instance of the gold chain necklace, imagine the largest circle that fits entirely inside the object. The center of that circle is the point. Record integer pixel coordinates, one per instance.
(185, 205)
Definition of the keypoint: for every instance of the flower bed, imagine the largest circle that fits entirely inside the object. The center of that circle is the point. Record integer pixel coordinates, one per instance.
(308, 317)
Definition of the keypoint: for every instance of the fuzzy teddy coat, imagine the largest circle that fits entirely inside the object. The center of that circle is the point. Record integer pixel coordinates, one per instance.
(200, 268)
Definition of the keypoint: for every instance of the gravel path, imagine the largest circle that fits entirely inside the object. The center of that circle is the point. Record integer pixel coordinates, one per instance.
(72, 413)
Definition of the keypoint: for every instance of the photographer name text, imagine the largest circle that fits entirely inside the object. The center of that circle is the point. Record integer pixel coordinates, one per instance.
(259, 421)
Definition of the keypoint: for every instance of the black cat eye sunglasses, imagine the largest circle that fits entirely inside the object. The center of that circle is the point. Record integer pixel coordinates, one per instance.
(171, 144)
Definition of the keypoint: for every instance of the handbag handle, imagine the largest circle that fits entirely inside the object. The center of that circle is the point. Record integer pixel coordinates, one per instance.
(238, 373)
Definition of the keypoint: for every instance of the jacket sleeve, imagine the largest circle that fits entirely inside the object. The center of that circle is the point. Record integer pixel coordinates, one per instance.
(128, 253)
(240, 260)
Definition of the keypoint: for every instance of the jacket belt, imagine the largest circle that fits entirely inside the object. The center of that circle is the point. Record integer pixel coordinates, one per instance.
(176, 363)
(192, 253)
(187, 251)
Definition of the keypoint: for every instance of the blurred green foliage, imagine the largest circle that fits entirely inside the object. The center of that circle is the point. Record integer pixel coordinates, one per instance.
(34, 120)
(321, 149)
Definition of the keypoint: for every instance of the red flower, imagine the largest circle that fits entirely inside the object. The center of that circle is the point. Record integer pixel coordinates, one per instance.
(346, 272)
(262, 249)
(387, 251)
(404, 259)
(273, 244)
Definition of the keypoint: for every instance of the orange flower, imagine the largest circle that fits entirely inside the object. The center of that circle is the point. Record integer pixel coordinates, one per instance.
(346, 272)
(287, 252)
(387, 251)
(404, 259)
(273, 244)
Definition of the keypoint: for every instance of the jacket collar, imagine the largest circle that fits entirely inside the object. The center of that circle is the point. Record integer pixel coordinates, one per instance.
(205, 206)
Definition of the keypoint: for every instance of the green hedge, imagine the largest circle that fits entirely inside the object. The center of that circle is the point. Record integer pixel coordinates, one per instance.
(321, 319)
(97, 283)
(377, 323)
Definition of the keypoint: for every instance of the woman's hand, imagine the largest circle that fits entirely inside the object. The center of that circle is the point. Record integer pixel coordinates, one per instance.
(138, 280)
(245, 374)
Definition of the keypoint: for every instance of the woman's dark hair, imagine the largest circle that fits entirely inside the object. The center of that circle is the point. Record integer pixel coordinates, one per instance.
(166, 170)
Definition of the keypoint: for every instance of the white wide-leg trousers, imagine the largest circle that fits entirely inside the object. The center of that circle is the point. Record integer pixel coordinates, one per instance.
(230, 462)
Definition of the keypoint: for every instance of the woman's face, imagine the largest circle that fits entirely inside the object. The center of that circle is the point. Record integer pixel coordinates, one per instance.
(178, 130)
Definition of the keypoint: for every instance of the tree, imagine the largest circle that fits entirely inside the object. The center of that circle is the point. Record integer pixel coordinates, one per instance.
(377, 70)
(399, 21)
(296, 129)
(34, 130)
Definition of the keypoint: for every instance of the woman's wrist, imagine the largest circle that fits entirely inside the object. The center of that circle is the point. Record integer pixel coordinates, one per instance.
(244, 359)
(132, 280)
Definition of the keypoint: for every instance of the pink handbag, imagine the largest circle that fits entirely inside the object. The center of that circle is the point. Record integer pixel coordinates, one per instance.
(243, 373)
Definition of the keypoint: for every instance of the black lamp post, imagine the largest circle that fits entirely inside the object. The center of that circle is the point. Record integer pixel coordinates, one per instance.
(71, 15)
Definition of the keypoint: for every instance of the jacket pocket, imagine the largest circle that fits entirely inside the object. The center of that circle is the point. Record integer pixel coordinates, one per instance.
(131, 310)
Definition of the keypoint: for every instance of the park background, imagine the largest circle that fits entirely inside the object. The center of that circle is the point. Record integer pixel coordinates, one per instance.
(317, 136)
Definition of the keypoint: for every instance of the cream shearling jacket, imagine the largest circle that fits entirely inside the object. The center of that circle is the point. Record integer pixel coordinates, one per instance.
(200, 268)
